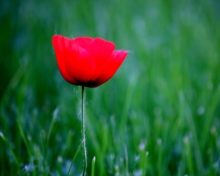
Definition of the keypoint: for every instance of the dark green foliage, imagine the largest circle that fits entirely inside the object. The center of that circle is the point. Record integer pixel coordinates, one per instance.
(159, 115)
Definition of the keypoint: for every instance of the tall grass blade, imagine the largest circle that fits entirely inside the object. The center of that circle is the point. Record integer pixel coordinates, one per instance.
(93, 166)
(77, 151)
(10, 148)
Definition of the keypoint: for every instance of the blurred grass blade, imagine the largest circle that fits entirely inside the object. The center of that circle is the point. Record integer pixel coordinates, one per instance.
(93, 166)
(210, 116)
(127, 102)
(10, 148)
(55, 113)
(190, 121)
(12, 84)
(24, 138)
(77, 151)
(126, 159)
(160, 157)
(189, 156)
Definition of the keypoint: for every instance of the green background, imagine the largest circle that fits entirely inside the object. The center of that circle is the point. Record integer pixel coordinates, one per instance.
(158, 115)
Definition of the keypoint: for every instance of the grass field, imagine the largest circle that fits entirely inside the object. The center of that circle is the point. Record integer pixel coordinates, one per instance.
(159, 115)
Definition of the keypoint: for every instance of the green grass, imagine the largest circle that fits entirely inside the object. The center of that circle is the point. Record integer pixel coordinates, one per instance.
(159, 115)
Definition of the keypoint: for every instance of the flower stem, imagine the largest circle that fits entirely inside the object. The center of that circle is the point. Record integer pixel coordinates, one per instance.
(84, 134)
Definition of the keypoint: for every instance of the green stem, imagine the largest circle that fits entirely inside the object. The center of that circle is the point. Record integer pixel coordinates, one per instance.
(84, 134)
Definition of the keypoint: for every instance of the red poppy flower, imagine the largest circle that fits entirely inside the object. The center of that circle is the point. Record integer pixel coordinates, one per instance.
(86, 61)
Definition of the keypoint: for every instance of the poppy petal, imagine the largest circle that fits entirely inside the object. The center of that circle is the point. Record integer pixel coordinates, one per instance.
(86, 61)
(84, 42)
(79, 63)
(60, 43)
(101, 50)
(112, 65)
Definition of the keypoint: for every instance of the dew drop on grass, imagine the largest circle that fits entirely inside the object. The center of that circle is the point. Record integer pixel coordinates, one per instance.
(136, 158)
(55, 113)
(29, 138)
(213, 130)
(1, 135)
(147, 153)
(186, 139)
(60, 159)
(201, 110)
(121, 160)
(112, 156)
(138, 173)
(28, 168)
(159, 141)
(116, 168)
(142, 146)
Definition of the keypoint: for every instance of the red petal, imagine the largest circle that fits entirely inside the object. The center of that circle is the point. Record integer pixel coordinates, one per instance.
(111, 66)
(101, 50)
(60, 43)
(84, 42)
(80, 64)
(86, 61)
